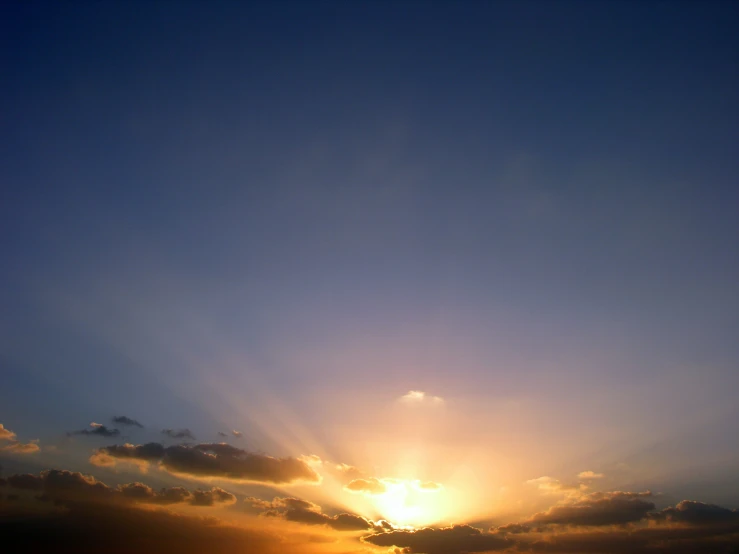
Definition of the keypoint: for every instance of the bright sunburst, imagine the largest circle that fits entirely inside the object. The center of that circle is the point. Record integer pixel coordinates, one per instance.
(411, 503)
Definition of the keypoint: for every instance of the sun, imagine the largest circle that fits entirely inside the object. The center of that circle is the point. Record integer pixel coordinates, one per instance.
(408, 504)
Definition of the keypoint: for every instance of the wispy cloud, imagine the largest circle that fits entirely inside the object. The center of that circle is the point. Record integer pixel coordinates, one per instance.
(123, 420)
(549, 485)
(179, 434)
(420, 397)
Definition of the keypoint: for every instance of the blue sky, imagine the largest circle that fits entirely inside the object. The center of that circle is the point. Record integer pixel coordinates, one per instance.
(282, 217)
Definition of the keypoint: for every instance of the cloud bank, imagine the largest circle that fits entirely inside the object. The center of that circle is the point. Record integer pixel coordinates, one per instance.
(211, 460)
(67, 486)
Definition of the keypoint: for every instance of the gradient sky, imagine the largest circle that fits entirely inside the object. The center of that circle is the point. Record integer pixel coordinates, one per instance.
(282, 217)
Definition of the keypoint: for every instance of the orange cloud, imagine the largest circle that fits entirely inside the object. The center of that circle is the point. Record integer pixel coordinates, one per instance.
(369, 486)
(429, 486)
(17, 447)
(6, 434)
(549, 485)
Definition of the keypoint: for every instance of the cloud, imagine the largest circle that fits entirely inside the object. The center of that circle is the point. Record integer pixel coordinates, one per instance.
(211, 460)
(65, 486)
(25, 481)
(348, 472)
(302, 511)
(92, 528)
(237, 434)
(96, 429)
(176, 495)
(549, 485)
(420, 397)
(446, 540)
(511, 528)
(428, 486)
(613, 522)
(589, 475)
(215, 495)
(715, 538)
(598, 508)
(123, 420)
(179, 434)
(17, 447)
(139, 455)
(222, 434)
(695, 513)
(371, 486)
(6, 434)
(143, 493)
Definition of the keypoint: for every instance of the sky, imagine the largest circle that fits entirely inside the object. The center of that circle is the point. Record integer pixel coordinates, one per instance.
(370, 277)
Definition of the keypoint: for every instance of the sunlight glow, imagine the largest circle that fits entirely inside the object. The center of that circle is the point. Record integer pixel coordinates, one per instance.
(410, 503)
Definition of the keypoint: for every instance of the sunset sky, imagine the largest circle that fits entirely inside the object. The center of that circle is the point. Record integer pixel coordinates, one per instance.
(369, 277)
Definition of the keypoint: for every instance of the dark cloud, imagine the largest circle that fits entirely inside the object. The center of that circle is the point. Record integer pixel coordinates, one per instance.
(599, 508)
(122, 529)
(214, 496)
(144, 493)
(222, 434)
(696, 513)
(512, 528)
(123, 420)
(96, 429)
(715, 530)
(654, 539)
(25, 481)
(210, 460)
(302, 511)
(141, 453)
(69, 486)
(179, 434)
(447, 540)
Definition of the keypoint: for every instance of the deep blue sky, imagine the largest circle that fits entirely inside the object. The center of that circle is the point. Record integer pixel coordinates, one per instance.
(485, 200)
